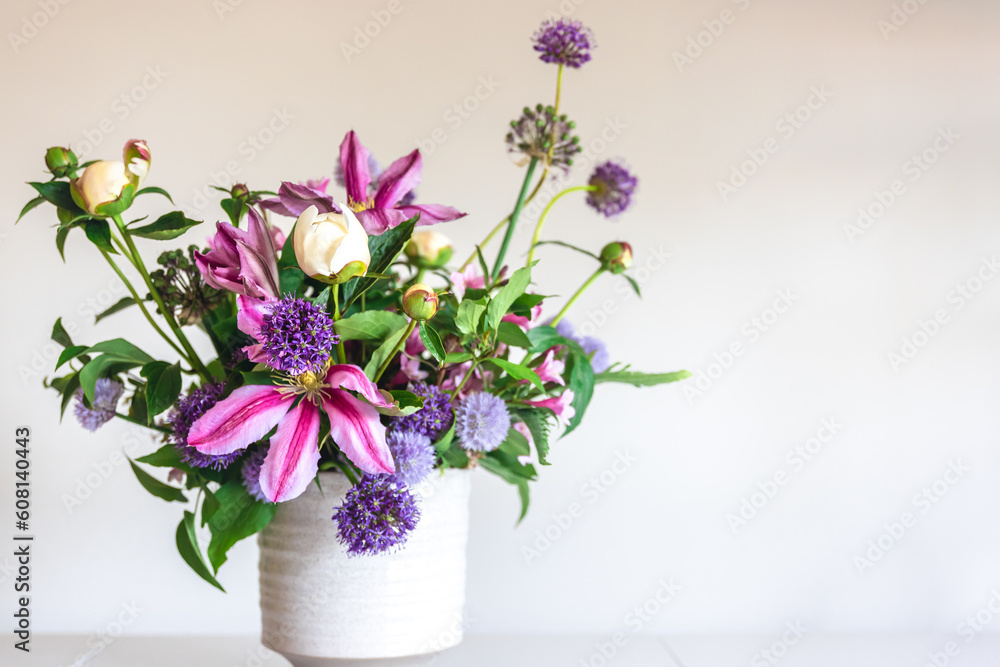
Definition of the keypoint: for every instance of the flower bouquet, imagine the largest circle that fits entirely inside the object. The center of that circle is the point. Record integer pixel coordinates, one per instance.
(348, 360)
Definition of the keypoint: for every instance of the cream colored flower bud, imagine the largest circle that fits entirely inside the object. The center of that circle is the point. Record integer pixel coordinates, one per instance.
(331, 247)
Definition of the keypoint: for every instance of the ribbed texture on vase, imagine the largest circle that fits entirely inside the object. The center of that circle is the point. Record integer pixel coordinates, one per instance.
(317, 601)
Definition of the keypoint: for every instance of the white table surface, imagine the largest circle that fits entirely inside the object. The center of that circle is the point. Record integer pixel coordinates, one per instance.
(504, 651)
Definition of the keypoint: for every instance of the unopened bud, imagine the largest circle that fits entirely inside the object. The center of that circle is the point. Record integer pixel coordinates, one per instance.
(420, 302)
(61, 161)
(616, 257)
(428, 249)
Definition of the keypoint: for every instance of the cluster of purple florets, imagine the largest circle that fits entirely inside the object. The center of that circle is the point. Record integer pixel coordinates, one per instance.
(433, 419)
(377, 516)
(564, 42)
(188, 410)
(481, 422)
(102, 408)
(613, 186)
(297, 335)
(250, 472)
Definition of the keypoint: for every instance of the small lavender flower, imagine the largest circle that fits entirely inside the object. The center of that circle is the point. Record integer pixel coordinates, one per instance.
(102, 408)
(297, 335)
(433, 419)
(564, 42)
(600, 360)
(250, 473)
(376, 516)
(540, 133)
(413, 454)
(481, 422)
(614, 185)
(186, 412)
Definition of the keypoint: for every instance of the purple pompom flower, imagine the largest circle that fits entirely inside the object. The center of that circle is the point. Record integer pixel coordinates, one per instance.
(614, 186)
(102, 408)
(433, 419)
(250, 472)
(564, 42)
(188, 410)
(297, 336)
(600, 360)
(481, 422)
(376, 516)
(413, 454)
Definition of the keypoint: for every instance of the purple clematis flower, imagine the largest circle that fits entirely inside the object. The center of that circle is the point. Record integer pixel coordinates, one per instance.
(378, 212)
(240, 261)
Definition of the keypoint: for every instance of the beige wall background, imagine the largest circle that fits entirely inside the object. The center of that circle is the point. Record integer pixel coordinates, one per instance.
(778, 266)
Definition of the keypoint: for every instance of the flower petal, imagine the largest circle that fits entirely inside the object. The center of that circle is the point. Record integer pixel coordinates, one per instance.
(431, 214)
(293, 459)
(356, 428)
(351, 377)
(242, 418)
(294, 198)
(354, 161)
(250, 315)
(402, 176)
(377, 220)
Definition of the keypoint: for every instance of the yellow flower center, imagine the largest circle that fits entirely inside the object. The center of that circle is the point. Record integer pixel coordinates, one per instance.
(309, 384)
(357, 207)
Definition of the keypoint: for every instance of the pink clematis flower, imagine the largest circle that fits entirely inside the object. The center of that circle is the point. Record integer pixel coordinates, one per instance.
(250, 412)
(378, 212)
(551, 369)
(240, 261)
(562, 405)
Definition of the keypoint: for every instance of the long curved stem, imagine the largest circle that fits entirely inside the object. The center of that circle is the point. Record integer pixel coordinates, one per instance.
(545, 212)
(395, 350)
(142, 306)
(515, 214)
(341, 355)
(583, 288)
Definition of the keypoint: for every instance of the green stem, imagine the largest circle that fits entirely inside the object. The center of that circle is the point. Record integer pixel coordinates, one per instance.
(142, 306)
(545, 212)
(132, 420)
(515, 214)
(137, 262)
(335, 292)
(465, 378)
(552, 148)
(583, 288)
(395, 350)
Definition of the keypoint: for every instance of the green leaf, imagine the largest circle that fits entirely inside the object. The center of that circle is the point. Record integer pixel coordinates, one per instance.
(168, 226)
(122, 349)
(457, 357)
(581, 381)
(538, 425)
(122, 304)
(61, 235)
(502, 300)
(70, 353)
(432, 341)
(507, 467)
(154, 190)
(99, 233)
(166, 456)
(118, 355)
(187, 546)
(156, 487)
(524, 493)
(209, 506)
(468, 316)
(258, 377)
(137, 405)
(517, 371)
(59, 334)
(69, 389)
(542, 338)
(444, 442)
(635, 285)
(163, 386)
(384, 249)
(524, 303)
(511, 334)
(29, 206)
(58, 193)
(406, 401)
(238, 516)
(641, 379)
(515, 444)
(382, 353)
(571, 247)
(369, 325)
(290, 276)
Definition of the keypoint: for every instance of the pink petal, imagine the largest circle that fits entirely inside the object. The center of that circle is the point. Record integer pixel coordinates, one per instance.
(259, 276)
(431, 213)
(250, 314)
(294, 198)
(356, 428)
(348, 376)
(377, 220)
(402, 176)
(242, 418)
(354, 161)
(293, 459)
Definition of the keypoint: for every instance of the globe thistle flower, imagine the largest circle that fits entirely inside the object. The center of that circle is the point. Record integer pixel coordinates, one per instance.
(481, 422)
(433, 419)
(377, 516)
(182, 287)
(250, 473)
(564, 42)
(540, 133)
(297, 336)
(613, 186)
(187, 411)
(102, 409)
(413, 454)
(600, 360)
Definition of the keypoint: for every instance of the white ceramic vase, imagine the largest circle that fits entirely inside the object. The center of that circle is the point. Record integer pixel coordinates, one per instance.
(321, 607)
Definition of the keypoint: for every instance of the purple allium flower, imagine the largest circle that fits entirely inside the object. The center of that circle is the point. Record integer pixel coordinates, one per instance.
(614, 185)
(413, 454)
(377, 515)
(433, 419)
(564, 42)
(598, 351)
(186, 412)
(297, 335)
(481, 422)
(540, 133)
(102, 408)
(250, 472)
